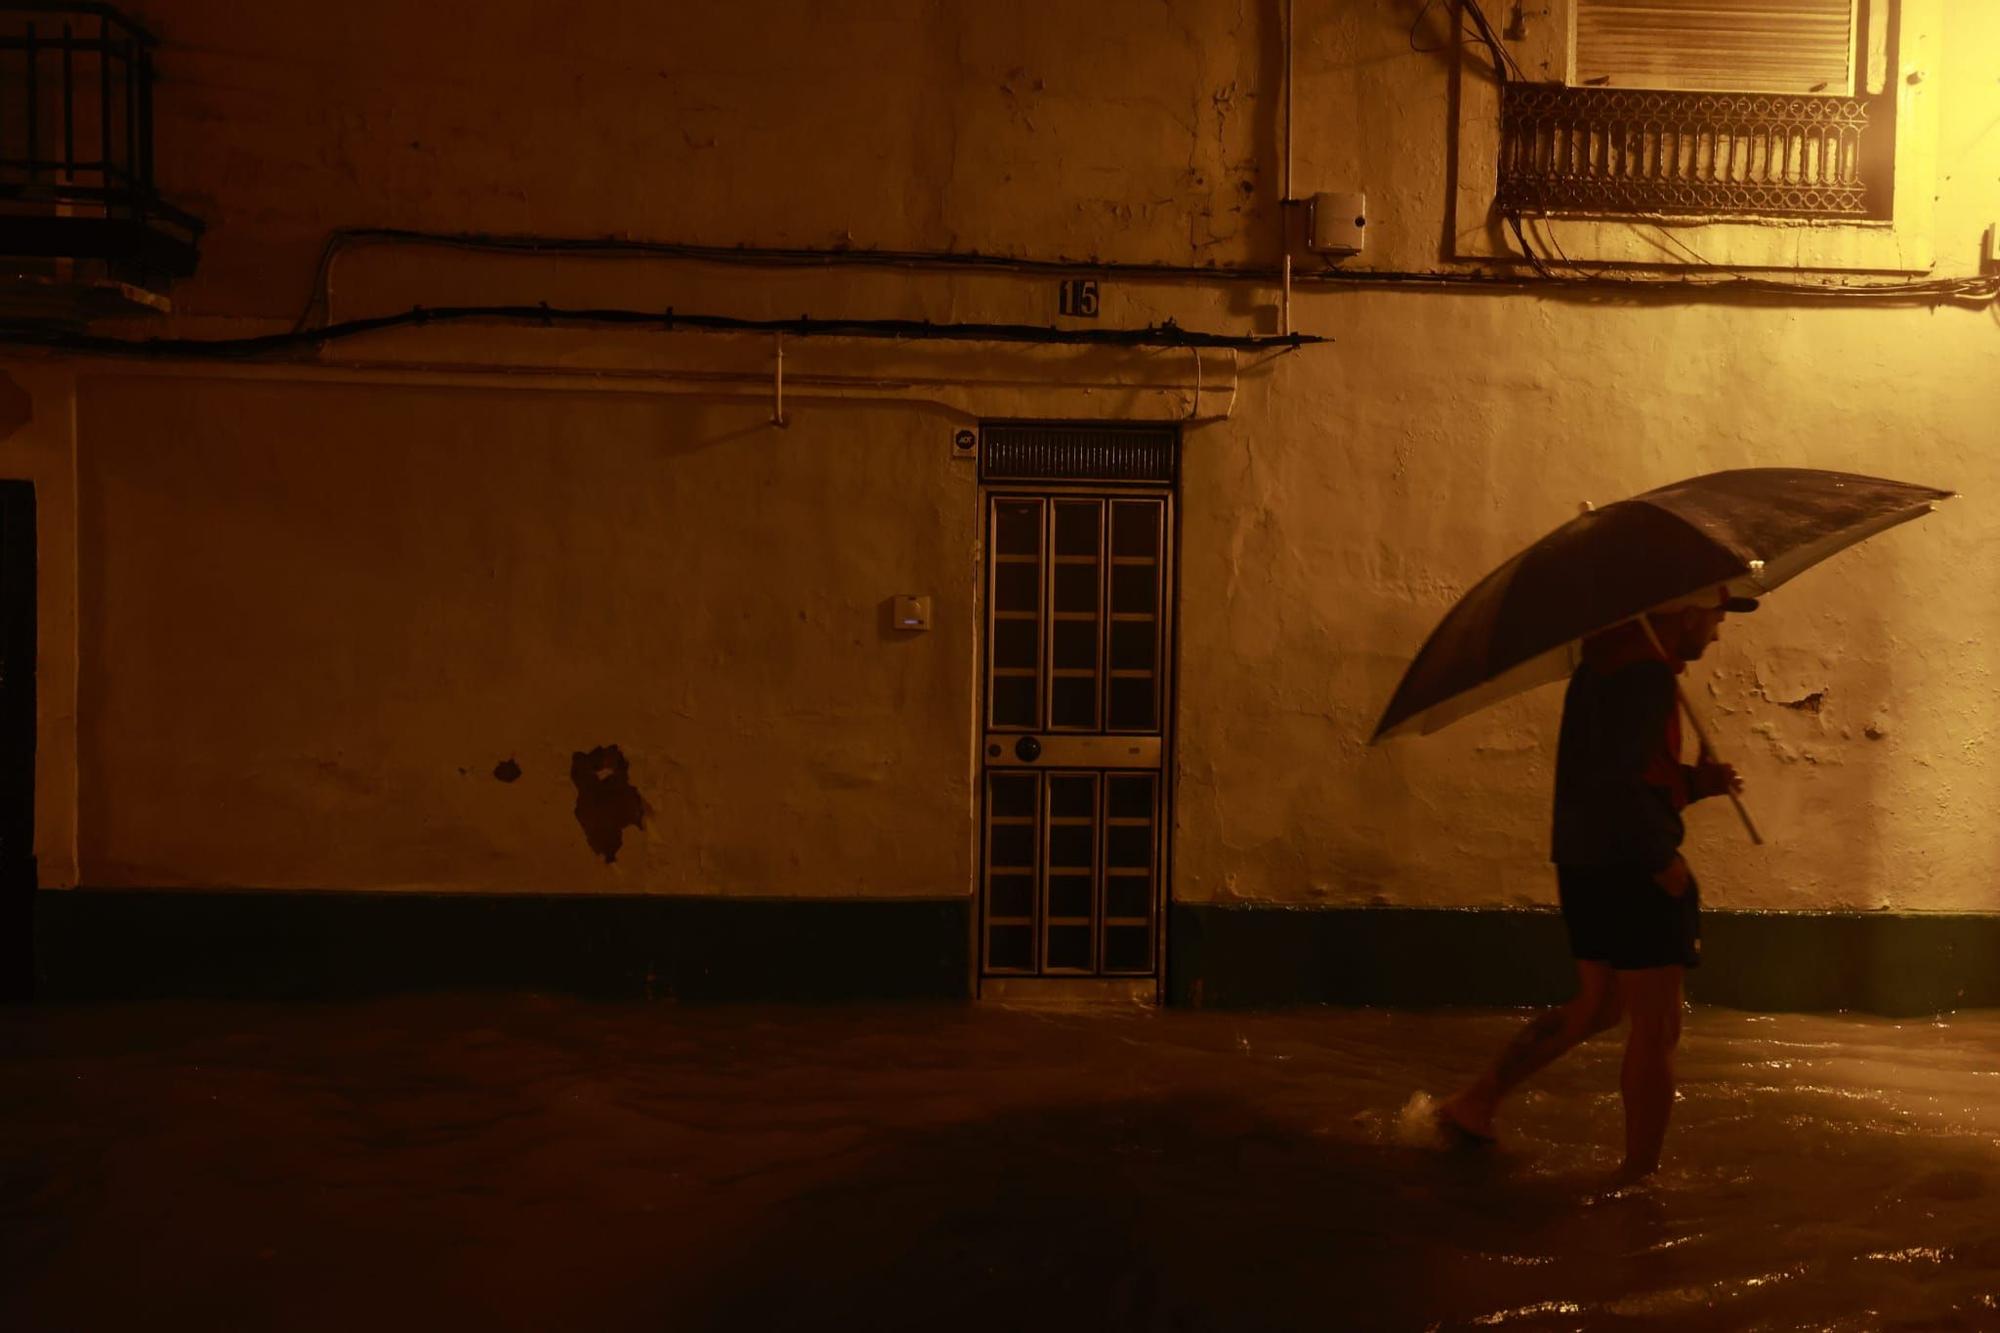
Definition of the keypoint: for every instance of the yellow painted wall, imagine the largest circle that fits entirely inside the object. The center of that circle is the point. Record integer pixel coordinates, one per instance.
(308, 600)
(320, 617)
(1467, 427)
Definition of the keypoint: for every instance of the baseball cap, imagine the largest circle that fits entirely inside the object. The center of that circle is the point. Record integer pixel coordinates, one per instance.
(1717, 599)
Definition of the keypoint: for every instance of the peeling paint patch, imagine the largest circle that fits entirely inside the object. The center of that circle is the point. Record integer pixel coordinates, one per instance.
(507, 770)
(1809, 704)
(606, 801)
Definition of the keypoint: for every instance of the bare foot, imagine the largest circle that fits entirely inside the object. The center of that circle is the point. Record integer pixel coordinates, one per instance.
(1460, 1128)
(1631, 1173)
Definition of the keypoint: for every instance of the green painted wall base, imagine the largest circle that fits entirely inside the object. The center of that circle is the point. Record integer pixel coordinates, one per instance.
(129, 944)
(1879, 962)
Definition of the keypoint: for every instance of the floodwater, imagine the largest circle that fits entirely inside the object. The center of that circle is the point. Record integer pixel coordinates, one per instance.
(526, 1162)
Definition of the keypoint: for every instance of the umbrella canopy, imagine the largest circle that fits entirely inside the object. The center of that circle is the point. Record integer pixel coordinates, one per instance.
(1751, 529)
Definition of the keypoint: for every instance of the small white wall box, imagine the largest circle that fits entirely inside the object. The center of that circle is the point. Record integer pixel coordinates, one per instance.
(912, 612)
(1339, 224)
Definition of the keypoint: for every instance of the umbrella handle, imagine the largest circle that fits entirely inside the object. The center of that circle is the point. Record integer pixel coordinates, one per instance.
(1749, 825)
(1701, 736)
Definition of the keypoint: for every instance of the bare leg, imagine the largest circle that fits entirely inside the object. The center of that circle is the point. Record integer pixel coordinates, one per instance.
(1595, 1007)
(1653, 998)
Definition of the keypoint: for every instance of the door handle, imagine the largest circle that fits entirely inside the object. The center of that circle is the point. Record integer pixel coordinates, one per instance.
(1027, 749)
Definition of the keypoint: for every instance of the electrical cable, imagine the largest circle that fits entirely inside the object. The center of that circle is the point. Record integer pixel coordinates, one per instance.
(343, 239)
(1167, 334)
(1568, 263)
(1914, 291)
(1504, 65)
(1978, 290)
(1541, 267)
(1417, 22)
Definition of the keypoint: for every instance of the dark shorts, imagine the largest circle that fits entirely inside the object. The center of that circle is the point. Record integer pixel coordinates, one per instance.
(1618, 915)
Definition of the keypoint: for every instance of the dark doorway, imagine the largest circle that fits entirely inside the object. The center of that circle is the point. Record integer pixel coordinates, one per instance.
(17, 739)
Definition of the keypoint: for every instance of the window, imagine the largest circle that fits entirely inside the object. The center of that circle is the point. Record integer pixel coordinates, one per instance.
(1734, 122)
(1748, 107)
(1730, 46)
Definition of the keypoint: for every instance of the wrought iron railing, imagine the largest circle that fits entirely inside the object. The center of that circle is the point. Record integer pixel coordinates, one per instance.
(76, 118)
(1618, 150)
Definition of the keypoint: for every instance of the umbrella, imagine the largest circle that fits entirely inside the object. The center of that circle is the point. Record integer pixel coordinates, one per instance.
(1752, 530)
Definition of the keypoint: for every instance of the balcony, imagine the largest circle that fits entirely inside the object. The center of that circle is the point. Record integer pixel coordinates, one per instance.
(1630, 151)
(76, 146)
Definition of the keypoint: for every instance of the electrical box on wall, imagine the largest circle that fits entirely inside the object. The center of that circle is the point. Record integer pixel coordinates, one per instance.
(912, 612)
(1339, 223)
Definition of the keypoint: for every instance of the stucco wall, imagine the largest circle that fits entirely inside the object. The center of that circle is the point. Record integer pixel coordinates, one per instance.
(320, 619)
(1447, 432)
(305, 607)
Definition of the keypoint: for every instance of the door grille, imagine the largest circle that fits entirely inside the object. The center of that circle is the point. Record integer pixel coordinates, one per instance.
(1072, 879)
(1074, 790)
(1134, 455)
(1076, 637)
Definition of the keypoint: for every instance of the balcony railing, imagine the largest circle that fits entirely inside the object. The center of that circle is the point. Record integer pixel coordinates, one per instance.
(76, 141)
(1618, 150)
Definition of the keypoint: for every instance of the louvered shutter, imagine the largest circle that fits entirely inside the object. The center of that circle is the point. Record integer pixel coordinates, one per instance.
(1779, 46)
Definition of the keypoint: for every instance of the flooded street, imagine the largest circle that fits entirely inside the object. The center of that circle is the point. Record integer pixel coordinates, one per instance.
(527, 1162)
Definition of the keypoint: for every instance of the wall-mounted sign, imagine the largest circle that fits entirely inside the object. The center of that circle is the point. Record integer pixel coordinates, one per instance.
(1078, 297)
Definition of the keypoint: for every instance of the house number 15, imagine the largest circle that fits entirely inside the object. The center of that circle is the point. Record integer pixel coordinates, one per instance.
(1078, 297)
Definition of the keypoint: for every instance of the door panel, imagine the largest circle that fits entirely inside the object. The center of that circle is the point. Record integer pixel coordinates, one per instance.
(1014, 621)
(1076, 618)
(1073, 797)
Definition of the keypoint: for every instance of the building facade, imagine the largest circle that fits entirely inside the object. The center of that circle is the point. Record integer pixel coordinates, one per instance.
(661, 658)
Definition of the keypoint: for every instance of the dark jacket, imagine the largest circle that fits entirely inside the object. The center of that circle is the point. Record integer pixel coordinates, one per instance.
(1620, 785)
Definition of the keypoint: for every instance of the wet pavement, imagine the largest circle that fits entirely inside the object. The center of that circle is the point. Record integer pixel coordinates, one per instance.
(527, 1162)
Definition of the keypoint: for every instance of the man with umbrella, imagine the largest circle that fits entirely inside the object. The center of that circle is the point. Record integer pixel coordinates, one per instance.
(1629, 903)
(1621, 599)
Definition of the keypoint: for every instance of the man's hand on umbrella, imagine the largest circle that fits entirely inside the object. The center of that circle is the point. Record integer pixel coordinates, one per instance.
(1712, 777)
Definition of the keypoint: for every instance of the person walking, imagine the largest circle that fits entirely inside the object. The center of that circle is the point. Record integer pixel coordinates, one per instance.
(1630, 905)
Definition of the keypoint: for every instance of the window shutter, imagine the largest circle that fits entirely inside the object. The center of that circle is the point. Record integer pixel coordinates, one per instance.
(1765, 46)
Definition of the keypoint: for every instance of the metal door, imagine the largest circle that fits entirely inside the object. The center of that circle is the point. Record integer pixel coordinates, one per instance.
(1079, 593)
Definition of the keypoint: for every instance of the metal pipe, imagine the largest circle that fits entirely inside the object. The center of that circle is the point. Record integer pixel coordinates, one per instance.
(104, 102)
(1288, 101)
(1285, 302)
(1285, 204)
(146, 120)
(69, 111)
(131, 122)
(747, 386)
(778, 382)
(34, 97)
